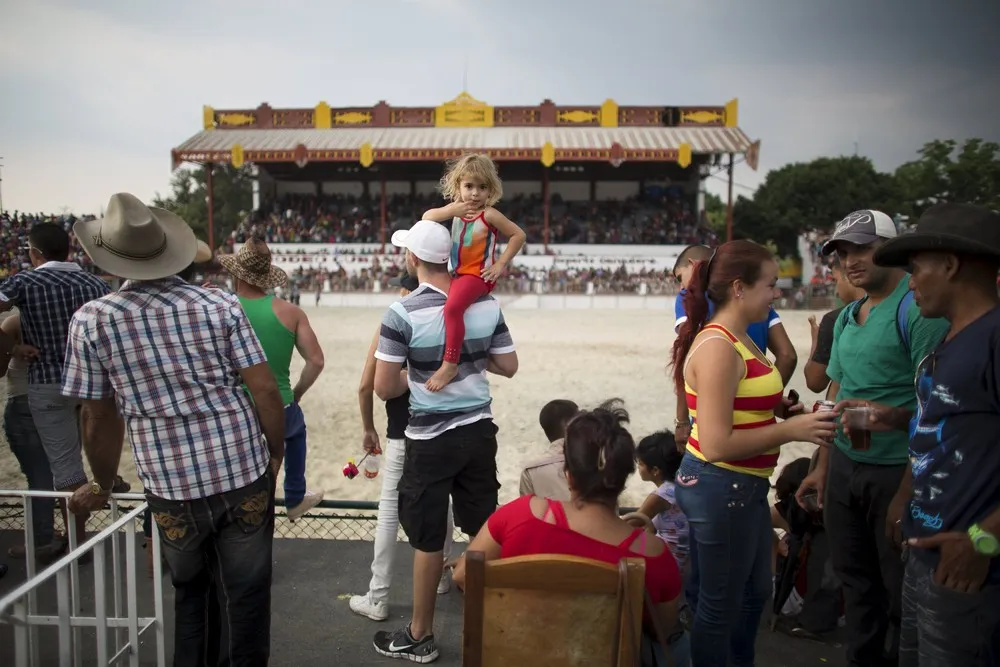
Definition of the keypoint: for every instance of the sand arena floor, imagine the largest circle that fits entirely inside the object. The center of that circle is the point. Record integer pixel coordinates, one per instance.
(583, 355)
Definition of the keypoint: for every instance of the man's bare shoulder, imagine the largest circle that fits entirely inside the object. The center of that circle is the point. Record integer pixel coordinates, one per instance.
(288, 313)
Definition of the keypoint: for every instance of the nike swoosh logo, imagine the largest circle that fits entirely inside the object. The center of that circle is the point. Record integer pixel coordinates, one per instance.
(393, 647)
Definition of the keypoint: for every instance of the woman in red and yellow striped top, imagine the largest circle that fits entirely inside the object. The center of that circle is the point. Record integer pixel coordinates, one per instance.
(734, 395)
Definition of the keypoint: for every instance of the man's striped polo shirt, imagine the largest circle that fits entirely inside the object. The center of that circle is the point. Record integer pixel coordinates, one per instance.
(413, 332)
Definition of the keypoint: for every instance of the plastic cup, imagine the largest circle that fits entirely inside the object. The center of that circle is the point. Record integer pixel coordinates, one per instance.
(858, 422)
(371, 466)
(810, 501)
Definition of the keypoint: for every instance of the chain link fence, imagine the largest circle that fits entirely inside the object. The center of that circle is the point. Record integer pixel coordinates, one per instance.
(330, 520)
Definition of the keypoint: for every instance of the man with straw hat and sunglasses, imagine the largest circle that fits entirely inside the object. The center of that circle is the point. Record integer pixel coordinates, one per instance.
(951, 519)
(281, 327)
(174, 358)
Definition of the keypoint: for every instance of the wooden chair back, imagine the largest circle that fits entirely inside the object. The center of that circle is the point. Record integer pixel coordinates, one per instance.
(552, 611)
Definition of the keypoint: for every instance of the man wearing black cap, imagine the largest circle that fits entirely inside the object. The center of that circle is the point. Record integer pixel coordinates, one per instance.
(951, 591)
(878, 342)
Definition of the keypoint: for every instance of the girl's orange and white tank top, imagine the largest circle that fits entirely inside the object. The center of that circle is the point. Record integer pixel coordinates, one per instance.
(757, 395)
(474, 245)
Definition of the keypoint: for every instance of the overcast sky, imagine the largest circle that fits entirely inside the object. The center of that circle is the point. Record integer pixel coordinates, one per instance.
(93, 99)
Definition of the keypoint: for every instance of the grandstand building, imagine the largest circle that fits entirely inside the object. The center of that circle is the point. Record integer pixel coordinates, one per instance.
(635, 170)
(578, 153)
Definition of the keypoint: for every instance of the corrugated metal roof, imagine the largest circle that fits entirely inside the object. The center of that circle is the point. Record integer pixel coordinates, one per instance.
(702, 139)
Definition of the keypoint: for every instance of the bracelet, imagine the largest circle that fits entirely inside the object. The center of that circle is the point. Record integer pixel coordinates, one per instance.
(681, 422)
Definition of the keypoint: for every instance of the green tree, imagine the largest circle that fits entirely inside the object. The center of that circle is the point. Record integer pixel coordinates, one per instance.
(715, 212)
(945, 172)
(233, 198)
(811, 195)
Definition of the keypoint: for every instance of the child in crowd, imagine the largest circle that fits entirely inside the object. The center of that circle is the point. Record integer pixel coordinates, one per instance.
(658, 460)
(805, 583)
(546, 476)
(473, 186)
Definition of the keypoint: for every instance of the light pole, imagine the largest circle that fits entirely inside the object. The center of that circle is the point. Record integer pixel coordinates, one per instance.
(1, 185)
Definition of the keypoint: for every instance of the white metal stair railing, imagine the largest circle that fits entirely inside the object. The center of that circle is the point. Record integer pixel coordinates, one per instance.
(20, 609)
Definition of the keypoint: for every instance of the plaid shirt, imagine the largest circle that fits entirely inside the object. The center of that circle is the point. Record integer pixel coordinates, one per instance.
(47, 298)
(171, 354)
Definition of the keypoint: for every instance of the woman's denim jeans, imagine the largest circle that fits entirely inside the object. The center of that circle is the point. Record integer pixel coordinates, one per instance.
(731, 523)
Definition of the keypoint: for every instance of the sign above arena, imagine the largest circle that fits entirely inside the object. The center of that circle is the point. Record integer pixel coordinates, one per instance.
(547, 133)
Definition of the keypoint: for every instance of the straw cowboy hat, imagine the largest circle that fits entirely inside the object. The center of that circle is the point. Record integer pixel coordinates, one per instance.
(962, 229)
(204, 253)
(137, 242)
(252, 264)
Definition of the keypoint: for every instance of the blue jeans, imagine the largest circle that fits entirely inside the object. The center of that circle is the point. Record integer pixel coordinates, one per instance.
(945, 628)
(219, 550)
(731, 524)
(692, 581)
(22, 436)
(295, 455)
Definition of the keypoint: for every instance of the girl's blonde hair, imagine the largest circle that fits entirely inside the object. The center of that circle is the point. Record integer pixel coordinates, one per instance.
(475, 167)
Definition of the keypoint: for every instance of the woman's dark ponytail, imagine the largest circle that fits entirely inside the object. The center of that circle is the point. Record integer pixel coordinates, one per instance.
(731, 261)
(696, 309)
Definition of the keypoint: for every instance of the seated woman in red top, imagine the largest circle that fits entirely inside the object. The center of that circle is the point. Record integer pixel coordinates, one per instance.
(600, 456)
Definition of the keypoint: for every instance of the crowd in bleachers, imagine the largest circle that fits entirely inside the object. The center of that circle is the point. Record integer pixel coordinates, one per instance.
(657, 218)
(517, 280)
(14, 239)
(663, 218)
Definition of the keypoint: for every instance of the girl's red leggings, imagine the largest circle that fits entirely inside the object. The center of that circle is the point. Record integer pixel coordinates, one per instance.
(464, 291)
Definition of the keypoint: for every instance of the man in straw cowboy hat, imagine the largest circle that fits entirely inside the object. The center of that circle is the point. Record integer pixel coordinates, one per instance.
(951, 521)
(173, 358)
(282, 328)
(46, 298)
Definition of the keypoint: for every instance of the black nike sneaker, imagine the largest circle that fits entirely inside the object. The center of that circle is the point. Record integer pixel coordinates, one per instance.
(401, 644)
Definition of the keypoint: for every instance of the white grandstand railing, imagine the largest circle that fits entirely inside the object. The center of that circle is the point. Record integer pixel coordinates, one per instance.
(19, 608)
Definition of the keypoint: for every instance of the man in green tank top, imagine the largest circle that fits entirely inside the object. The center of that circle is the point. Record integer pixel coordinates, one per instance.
(281, 327)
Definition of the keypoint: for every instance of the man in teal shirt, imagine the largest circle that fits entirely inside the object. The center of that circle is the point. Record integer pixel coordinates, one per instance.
(878, 344)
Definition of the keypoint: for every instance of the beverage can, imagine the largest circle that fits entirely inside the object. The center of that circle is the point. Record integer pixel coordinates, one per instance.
(824, 406)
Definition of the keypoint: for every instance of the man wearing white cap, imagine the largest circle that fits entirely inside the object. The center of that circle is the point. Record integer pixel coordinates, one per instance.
(173, 359)
(451, 441)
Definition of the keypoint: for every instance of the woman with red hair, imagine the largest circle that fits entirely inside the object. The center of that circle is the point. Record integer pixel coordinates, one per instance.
(734, 395)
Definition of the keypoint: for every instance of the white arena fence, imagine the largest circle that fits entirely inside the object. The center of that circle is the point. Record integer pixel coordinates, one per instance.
(558, 301)
(355, 257)
(111, 632)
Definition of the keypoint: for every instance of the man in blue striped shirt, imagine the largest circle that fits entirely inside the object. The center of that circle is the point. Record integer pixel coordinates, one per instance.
(451, 444)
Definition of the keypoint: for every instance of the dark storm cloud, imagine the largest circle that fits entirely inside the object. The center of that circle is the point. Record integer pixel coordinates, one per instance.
(114, 86)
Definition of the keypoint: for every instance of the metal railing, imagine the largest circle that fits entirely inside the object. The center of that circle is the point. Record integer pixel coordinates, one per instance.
(20, 607)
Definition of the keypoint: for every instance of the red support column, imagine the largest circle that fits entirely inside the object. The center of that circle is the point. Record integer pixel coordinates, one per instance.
(382, 210)
(729, 202)
(209, 168)
(545, 206)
